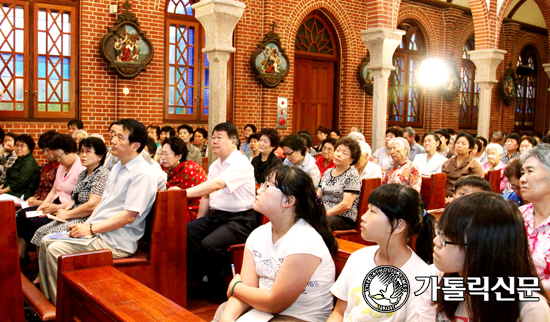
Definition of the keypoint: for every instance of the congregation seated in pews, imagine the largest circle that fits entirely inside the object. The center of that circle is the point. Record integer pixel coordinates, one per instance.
(149, 233)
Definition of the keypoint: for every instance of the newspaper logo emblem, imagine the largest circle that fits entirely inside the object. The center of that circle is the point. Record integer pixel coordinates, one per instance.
(386, 289)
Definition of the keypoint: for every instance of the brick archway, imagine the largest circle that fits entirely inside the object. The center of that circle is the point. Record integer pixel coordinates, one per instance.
(409, 12)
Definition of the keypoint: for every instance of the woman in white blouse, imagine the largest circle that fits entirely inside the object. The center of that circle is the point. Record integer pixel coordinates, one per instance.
(431, 161)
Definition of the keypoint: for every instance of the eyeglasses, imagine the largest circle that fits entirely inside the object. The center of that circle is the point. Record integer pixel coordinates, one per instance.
(444, 241)
(58, 158)
(287, 154)
(264, 186)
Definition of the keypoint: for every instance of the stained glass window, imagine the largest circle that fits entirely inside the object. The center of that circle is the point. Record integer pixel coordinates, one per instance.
(527, 90)
(187, 76)
(50, 91)
(406, 100)
(469, 90)
(315, 37)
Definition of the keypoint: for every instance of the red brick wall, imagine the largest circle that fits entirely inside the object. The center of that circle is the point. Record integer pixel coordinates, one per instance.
(446, 30)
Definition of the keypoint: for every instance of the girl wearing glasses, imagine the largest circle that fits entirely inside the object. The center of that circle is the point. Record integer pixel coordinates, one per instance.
(395, 215)
(482, 235)
(287, 266)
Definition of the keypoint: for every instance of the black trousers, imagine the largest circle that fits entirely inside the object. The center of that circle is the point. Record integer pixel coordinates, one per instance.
(340, 223)
(26, 227)
(208, 239)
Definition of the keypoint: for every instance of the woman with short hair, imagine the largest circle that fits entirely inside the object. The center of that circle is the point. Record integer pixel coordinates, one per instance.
(48, 171)
(430, 162)
(326, 159)
(185, 132)
(253, 146)
(200, 140)
(295, 151)
(267, 160)
(382, 155)
(403, 170)
(462, 164)
(23, 176)
(182, 174)
(340, 186)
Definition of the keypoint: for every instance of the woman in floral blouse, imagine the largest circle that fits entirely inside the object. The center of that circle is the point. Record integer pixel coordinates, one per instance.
(47, 171)
(403, 170)
(182, 174)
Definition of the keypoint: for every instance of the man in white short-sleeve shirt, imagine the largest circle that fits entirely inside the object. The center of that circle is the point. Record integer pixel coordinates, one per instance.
(225, 215)
(118, 221)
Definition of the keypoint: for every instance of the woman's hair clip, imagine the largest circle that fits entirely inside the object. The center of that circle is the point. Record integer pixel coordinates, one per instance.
(424, 213)
(318, 201)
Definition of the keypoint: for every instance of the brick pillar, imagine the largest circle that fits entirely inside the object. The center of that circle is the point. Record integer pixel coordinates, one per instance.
(381, 43)
(486, 61)
(219, 18)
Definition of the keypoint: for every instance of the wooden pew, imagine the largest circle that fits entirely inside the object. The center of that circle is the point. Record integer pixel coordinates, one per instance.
(354, 235)
(103, 293)
(494, 177)
(11, 296)
(160, 262)
(433, 190)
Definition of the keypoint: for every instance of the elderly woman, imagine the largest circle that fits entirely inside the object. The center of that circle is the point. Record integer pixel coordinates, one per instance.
(535, 187)
(365, 168)
(325, 161)
(87, 192)
(253, 146)
(200, 140)
(494, 155)
(340, 187)
(512, 147)
(79, 135)
(445, 138)
(382, 155)
(7, 154)
(403, 170)
(23, 176)
(430, 162)
(462, 164)
(295, 151)
(185, 132)
(527, 143)
(182, 174)
(47, 171)
(267, 160)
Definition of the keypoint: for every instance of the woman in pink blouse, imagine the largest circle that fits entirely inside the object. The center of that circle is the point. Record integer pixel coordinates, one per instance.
(403, 170)
(535, 188)
(63, 149)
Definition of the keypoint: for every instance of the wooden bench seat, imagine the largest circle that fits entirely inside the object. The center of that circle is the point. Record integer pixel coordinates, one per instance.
(103, 293)
(433, 190)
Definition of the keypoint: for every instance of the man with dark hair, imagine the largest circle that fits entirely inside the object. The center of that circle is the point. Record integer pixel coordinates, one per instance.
(225, 215)
(118, 221)
(166, 132)
(410, 135)
(74, 125)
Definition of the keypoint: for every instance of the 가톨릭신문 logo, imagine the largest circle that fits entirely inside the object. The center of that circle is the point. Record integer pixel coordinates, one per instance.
(386, 289)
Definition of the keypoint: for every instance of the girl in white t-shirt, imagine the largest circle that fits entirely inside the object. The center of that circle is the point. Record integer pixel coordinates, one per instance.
(482, 235)
(395, 214)
(287, 265)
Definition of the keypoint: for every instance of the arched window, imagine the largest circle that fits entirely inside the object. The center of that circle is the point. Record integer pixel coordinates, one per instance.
(38, 52)
(405, 106)
(187, 81)
(469, 90)
(526, 95)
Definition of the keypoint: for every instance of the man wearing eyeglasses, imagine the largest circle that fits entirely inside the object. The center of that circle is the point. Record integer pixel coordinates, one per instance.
(225, 215)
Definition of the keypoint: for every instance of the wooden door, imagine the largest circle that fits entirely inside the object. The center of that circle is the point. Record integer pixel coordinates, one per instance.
(313, 94)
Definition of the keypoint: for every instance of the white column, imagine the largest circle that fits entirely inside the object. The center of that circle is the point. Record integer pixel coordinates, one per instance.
(486, 61)
(381, 43)
(219, 18)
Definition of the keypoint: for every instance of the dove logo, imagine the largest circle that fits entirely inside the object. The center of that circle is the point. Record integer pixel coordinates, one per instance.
(386, 289)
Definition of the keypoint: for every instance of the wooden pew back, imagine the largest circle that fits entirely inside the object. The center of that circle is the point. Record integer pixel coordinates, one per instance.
(102, 293)
(11, 296)
(367, 187)
(161, 262)
(433, 190)
(494, 177)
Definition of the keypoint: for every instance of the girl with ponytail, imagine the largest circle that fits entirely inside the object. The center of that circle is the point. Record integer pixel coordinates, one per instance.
(396, 213)
(287, 265)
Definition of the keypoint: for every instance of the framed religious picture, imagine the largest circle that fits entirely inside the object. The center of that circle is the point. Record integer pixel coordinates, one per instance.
(366, 79)
(125, 47)
(452, 86)
(507, 87)
(269, 62)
